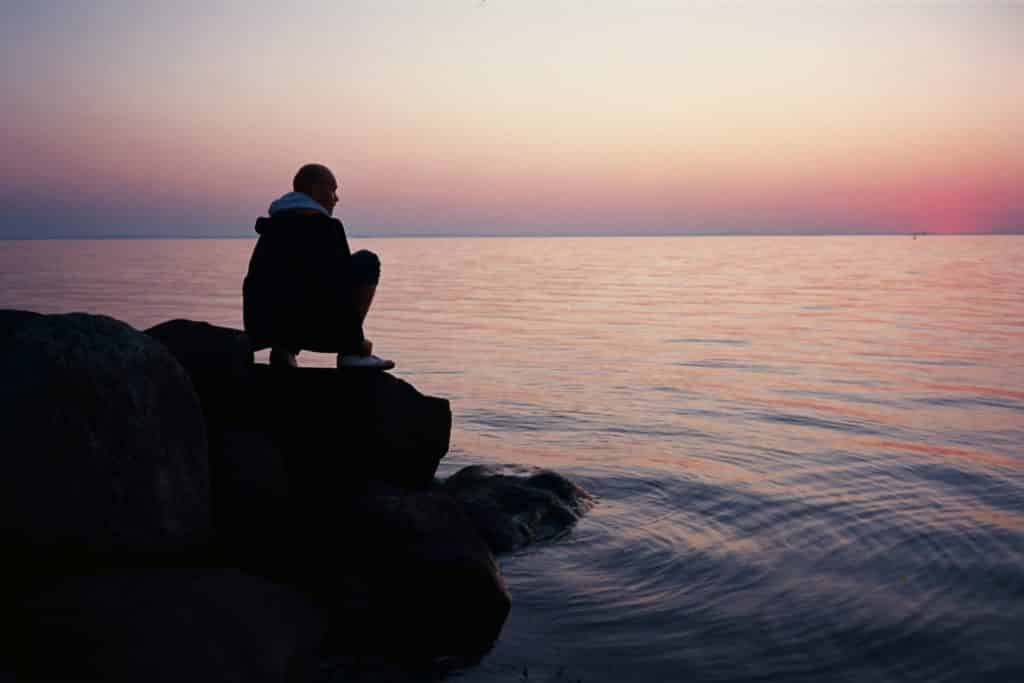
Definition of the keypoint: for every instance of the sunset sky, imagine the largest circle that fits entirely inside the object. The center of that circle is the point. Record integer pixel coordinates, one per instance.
(124, 118)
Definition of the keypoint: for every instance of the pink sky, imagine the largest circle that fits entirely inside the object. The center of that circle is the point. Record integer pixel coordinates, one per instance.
(499, 117)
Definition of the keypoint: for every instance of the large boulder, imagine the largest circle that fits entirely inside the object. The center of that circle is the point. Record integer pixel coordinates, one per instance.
(355, 424)
(162, 625)
(251, 505)
(286, 443)
(513, 505)
(105, 452)
(218, 359)
(11, 319)
(324, 479)
(344, 428)
(404, 572)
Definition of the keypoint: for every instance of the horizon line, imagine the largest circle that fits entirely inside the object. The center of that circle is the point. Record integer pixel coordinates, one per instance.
(526, 235)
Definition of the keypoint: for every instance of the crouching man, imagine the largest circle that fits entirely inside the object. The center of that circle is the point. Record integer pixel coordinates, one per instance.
(304, 288)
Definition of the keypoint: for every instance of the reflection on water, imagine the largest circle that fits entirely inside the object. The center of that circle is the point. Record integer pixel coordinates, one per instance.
(807, 451)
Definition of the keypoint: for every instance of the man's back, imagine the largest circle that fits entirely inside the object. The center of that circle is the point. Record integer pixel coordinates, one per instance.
(298, 291)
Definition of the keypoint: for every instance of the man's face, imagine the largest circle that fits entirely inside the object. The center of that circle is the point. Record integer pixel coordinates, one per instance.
(326, 194)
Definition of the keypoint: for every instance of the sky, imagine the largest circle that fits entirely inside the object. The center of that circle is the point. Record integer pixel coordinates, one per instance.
(440, 117)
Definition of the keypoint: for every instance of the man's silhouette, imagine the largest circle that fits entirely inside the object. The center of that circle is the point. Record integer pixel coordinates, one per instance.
(304, 288)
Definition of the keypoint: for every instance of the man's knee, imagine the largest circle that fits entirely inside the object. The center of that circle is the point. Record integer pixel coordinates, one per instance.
(365, 268)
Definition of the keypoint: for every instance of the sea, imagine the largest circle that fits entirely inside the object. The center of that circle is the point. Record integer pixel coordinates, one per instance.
(807, 452)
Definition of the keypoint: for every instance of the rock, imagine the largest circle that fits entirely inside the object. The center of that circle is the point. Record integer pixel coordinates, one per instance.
(512, 506)
(370, 424)
(162, 625)
(285, 443)
(253, 504)
(343, 428)
(405, 572)
(218, 359)
(323, 479)
(105, 448)
(248, 470)
(11, 319)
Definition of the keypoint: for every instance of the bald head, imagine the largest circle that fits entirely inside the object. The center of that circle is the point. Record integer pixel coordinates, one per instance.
(317, 181)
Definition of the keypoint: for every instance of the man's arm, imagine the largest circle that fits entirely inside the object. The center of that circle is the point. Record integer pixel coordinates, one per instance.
(334, 272)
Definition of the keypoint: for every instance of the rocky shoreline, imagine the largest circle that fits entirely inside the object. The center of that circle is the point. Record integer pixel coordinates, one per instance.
(174, 511)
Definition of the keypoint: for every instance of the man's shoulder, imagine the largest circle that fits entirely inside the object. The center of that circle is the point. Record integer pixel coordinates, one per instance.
(296, 224)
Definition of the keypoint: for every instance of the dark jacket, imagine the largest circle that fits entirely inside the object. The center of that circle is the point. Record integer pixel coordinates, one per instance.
(298, 293)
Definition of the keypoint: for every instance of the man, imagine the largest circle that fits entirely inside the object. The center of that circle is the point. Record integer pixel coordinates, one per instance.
(304, 288)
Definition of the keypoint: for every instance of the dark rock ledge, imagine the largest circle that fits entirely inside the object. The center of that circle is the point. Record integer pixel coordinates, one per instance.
(172, 511)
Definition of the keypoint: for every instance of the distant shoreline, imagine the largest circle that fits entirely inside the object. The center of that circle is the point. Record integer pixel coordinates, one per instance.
(1017, 233)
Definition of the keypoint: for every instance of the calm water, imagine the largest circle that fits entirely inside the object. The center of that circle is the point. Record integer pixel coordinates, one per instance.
(808, 452)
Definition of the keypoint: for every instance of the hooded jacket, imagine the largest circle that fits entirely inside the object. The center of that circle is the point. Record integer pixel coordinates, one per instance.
(298, 291)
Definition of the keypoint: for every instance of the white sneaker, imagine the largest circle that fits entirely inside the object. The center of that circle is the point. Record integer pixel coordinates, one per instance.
(370, 362)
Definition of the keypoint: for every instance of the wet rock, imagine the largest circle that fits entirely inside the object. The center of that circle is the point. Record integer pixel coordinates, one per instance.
(513, 506)
(105, 452)
(414, 576)
(161, 625)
